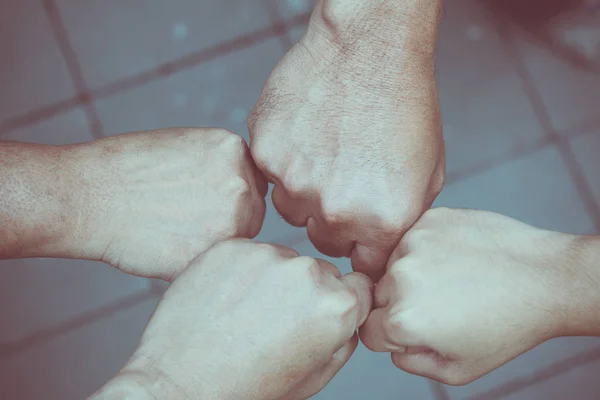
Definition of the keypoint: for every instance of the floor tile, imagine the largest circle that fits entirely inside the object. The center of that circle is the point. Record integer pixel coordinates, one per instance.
(586, 149)
(33, 73)
(38, 294)
(569, 90)
(220, 93)
(76, 364)
(485, 111)
(580, 383)
(115, 39)
(68, 128)
(535, 189)
(368, 375)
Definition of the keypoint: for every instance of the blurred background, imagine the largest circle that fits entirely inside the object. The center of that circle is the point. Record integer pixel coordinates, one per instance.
(520, 94)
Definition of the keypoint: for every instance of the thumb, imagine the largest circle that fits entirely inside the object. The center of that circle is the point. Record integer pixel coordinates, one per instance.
(422, 362)
(363, 287)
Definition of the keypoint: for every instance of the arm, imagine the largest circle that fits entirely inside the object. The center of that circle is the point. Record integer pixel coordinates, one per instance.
(199, 345)
(467, 291)
(579, 300)
(36, 200)
(113, 200)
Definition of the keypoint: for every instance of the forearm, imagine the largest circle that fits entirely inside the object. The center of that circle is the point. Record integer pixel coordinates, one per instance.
(35, 203)
(579, 291)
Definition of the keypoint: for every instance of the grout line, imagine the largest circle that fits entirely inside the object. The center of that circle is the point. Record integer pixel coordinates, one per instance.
(84, 98)
(275, 17)
(195, 59)
(44, 335)
(439, 390)
(73, 66)
(541, 112)
(511, 155)
(38, 115)
(540, 376)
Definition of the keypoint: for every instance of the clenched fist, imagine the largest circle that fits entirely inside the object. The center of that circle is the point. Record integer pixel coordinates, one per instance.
(150, 202)
(467, 291)
(348, 129)
(248, 321)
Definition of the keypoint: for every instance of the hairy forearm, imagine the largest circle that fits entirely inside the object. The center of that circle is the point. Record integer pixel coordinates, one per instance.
(35, 203)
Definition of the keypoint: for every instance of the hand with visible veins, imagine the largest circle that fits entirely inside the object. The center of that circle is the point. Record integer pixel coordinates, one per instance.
(348, 127)
(467, 291)
(247, 321)
(147, 203)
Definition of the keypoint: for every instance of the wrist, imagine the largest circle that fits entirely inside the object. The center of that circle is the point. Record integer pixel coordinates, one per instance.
(37, 200)
(579, 297)
(398, 26)
(126, 386)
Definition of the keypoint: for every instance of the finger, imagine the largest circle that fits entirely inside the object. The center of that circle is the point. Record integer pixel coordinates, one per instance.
(320, 378)
(254, 175)
(426, 364)
(363, 287)
(370, 261)
(386, 291)
(294, 211)
(329, 268)
(374, 332)
(328, 241)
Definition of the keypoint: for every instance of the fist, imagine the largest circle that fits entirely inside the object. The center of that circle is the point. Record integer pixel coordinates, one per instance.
(464, 293)
(353, 144)
(153, 201)
(251, 321)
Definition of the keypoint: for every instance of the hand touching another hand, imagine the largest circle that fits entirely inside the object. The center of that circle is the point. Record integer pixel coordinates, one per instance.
(150, 202)
(348, 129)
(248, 321)
(467, 291)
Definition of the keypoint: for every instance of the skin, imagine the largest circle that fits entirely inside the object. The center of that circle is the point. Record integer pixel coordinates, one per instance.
(247, 321)
(467, 291)
(351, 115)
(357, 101)
(147, 203)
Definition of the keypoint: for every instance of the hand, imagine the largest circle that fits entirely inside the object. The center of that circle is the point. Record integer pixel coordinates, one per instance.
(348, 129)
(150, 202)
(250, 321)
(467, 291)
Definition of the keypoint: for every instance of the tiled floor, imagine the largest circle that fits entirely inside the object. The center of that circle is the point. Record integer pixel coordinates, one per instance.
(522, 128)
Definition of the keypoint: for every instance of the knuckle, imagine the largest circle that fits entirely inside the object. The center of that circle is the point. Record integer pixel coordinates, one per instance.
(262, 154)
(230, 143)
(241, 191)
(348, 302)
(452, 377)
(399, 219)
(394, 327)
(309, 268)
(436, 214)
(297, 180)
(439, 180)
(415, 238)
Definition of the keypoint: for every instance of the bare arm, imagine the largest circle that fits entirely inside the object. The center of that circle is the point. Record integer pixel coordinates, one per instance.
(36, 200)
